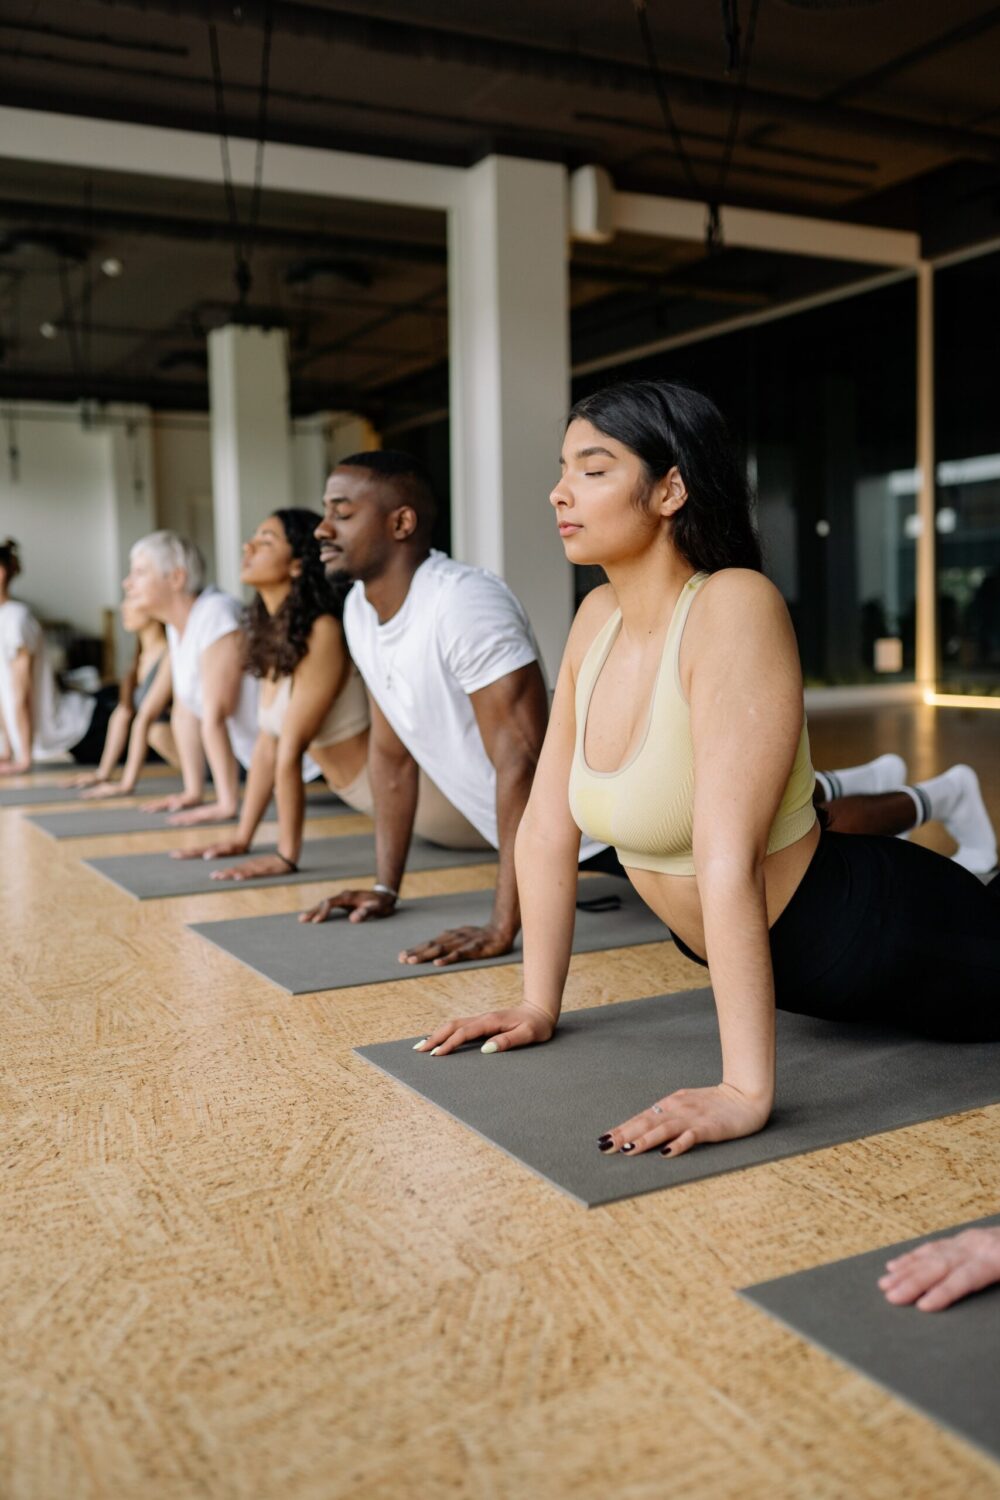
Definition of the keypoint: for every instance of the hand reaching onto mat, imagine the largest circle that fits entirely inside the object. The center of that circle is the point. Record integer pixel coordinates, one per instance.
(360, 904)
(209, 812)
(171, 804)
(81, 779)
(227, 849)
(689, 1117)
(521, 1026)
(254, 869)
(941, 1272)
(14, 767)
(458, 945)
(101, 790)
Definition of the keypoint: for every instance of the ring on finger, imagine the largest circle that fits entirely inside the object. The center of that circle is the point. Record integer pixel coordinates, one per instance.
(655, 1109)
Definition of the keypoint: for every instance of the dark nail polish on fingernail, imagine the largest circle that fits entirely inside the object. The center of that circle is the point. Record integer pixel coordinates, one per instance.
(602, 1138)
(665, 1151)
(629, 1146)
(606, 1146)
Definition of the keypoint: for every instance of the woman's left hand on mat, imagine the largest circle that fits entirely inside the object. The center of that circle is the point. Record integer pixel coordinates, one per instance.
(209, 812)
(458, 945)
(689, 1117)
(263, 864)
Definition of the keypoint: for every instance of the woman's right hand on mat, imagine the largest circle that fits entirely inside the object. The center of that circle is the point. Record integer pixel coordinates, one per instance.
(225, 850)
(171, 804)
(105, 789)
(520, 1026)
(360, 905)
(941, 1272)
(82, 778)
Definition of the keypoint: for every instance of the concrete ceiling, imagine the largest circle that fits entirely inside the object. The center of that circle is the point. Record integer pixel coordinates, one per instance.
(884, 112)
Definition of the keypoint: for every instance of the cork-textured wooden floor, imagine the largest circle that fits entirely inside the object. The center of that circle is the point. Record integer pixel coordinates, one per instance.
(239, 1263)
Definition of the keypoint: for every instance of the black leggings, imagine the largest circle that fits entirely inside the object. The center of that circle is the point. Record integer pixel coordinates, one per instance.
(881, 930)
(90, 749)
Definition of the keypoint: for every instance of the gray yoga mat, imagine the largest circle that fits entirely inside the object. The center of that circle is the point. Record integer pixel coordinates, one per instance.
(95, 822)
(546, 1106)
(334, 955)
(38, 796)
(150, 876)
(945, 1364)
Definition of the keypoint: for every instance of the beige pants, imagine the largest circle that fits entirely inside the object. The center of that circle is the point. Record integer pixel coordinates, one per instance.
(436, 820)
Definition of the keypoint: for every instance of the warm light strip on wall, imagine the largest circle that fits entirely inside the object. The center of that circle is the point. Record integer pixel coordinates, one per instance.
(959, 700)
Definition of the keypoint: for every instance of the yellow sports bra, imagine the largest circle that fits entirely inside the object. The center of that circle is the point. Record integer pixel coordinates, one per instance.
(348, 714)
(646, 808)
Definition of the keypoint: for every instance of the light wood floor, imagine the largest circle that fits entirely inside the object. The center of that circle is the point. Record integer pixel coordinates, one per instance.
(237, 1262)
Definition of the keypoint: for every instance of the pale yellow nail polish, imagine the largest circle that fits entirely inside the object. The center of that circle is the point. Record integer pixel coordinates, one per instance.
(417, 1045)
(435, 1052)
(489, 1047)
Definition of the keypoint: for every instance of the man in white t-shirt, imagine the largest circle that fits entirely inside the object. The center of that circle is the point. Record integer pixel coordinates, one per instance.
(451, 666)
(214, 714)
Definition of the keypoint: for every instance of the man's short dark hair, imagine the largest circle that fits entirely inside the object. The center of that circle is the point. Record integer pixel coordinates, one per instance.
(405, 475)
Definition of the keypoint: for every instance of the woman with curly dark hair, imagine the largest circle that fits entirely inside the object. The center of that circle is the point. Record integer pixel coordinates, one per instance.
(311, 695)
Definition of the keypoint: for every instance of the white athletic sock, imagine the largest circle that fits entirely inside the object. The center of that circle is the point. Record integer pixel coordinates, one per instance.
(921, 802)
(825, 785)
(887, 773)
(954, 799)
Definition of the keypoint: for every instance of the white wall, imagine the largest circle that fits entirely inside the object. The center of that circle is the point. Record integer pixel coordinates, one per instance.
(182, 462)
(182, 447)
(61, 508)
(82, 496)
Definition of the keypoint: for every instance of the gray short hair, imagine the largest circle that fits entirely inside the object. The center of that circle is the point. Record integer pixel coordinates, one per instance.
(166, 551)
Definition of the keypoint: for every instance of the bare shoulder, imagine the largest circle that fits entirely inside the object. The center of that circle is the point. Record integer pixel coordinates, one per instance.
(739, 598)
(594, 613)
(326, 634)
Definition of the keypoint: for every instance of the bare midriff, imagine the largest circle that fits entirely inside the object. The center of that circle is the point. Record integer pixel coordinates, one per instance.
(342, 763)
(676, 901)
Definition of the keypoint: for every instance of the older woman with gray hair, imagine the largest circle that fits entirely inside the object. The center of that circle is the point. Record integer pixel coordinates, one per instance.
(214, 715)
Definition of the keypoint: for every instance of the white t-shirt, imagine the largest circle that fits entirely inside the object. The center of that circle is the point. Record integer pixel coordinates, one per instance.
(213, 615)
(459, 629)
(59, 720)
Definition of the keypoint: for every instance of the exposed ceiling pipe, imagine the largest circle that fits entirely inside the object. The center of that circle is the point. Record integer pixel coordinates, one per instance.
(596, 74)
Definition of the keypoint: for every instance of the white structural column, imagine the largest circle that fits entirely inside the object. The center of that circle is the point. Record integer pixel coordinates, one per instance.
(926, 580)
(509, 316)
(251, 439)
(131, 504)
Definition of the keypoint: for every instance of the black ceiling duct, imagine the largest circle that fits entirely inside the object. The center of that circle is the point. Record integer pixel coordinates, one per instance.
(35, 241)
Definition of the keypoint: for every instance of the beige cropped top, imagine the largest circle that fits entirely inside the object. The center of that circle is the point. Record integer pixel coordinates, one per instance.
(646, 808)
(348, 714)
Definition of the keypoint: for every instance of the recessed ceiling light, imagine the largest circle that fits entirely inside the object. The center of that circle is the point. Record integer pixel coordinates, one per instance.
(112, 266)
(48, 330)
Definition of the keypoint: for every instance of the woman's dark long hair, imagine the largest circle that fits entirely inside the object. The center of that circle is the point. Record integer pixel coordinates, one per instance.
(275, 644)
(666, 425)
(9, 559)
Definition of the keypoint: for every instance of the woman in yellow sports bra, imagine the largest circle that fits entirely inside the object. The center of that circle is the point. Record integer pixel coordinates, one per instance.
(678, 735)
